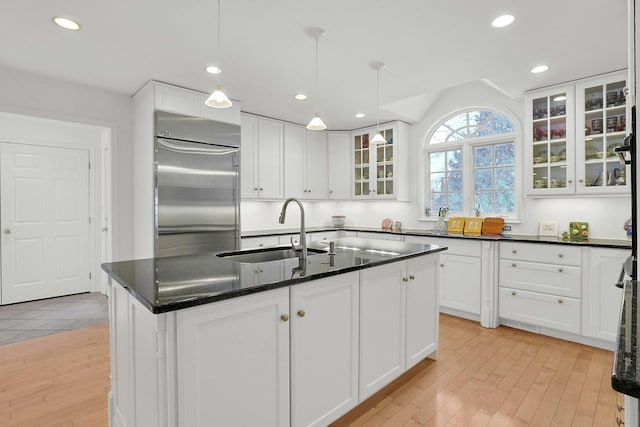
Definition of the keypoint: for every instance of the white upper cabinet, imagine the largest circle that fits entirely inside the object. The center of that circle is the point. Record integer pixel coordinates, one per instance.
(381, 171)
(339, 166)
(305, 159)
(188, 102)
(570, 135)
(261, 158)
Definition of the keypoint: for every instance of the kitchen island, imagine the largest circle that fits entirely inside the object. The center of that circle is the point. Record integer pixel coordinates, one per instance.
(206, 340)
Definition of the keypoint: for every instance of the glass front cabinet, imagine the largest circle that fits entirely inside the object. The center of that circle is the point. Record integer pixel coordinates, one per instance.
(601, 126)
(375, 165)
(570, 136)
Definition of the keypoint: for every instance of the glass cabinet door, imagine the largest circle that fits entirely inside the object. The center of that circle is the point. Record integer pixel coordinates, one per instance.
(361, 171)
(604, 120)
(384, 165)
(548, 133)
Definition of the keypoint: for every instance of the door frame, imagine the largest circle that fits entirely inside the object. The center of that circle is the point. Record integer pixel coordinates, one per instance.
(97, 140)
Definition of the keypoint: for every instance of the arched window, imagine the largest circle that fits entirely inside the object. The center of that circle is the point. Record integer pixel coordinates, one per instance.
(470, 164)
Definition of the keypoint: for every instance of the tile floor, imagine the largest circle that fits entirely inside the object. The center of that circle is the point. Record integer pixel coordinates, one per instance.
(23, 321)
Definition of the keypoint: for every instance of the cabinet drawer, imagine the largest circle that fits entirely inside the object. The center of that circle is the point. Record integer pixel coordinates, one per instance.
(534, 252)
(549, 311)
(325, 236)
(546, 278)
(258, 242)
(456, 246)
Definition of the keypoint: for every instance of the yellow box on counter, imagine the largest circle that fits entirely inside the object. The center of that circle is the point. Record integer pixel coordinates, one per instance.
(456, 225)
(473, 226)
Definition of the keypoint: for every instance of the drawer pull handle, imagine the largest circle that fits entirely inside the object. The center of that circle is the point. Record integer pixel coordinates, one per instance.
(513, 293)
(284, 317)
(619, 420)
(619, 407)
(514, 251)
(513, 264)
(561, 270)
(560, 301)
(560, 255)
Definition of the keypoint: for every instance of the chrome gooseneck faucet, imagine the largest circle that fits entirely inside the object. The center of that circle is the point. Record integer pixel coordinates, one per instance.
(303, 236)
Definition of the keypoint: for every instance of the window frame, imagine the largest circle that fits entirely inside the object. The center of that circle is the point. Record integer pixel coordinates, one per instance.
(467, 146)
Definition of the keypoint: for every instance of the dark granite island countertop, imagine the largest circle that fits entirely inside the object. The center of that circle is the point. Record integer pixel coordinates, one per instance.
(173, 283)
(626, 363)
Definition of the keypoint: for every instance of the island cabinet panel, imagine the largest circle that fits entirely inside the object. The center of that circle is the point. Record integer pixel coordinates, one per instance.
(459, 280)
(398, 320)
(382, 326)
(324, 349)
(233, 362)
(422, 298)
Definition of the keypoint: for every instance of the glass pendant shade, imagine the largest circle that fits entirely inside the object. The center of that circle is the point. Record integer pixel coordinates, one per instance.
(218, 99)
(316, 123)
(378, 139)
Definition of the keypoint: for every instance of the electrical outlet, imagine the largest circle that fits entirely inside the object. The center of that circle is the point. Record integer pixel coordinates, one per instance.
(506, 228)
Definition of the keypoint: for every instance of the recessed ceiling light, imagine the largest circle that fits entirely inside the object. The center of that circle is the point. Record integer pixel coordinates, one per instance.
(66, 23)
(539, 69)
(560, 98)
(502, 21)
(212, 69)
(300, 97)
(360, 115)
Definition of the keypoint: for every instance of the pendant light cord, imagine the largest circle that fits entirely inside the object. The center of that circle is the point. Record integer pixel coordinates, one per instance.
(317, 92)
(219, 51)
(378, 103)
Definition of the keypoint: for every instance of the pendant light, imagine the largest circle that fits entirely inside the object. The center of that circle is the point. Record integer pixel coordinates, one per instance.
(378, 138)
(316, 123)
(218, 99)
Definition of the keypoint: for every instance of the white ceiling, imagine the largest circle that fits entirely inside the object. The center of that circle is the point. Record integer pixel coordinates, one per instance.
(428, 46)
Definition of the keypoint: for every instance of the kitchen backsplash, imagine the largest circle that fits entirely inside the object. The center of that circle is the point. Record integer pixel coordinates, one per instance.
(606, 216)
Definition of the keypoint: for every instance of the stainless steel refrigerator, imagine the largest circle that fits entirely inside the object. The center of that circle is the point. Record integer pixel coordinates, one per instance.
(197, 173)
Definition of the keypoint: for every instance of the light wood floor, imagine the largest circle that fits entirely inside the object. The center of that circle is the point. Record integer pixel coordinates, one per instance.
(497, 377)
(484, 377)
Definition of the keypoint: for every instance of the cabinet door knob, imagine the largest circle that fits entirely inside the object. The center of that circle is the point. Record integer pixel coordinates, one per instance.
(619, 420)
(513, 293)
(7, 231)
(412, 277)
(619, 407)
(560, 301)
(301, 313)
(561, 270)
(560, 256)
(581, 181)
(570, 181)
(261, 244)
(513, 264)
(261, 188)
(284, 317)
(514, 251)
(255, 188)
(330, 191)
(441, 265)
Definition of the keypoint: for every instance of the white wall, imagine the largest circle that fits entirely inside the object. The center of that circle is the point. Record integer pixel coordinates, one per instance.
(606, 215)
(35, 95)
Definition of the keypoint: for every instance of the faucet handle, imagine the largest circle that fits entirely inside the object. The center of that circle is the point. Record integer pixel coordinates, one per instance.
(293, 245)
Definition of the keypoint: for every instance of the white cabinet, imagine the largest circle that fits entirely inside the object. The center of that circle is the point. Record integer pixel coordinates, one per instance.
(602, 300)
(540, 285)
(324, 236)
(459, 281)
(324, 349)
(261, 158)
(570, 136)
(339, 165)
(188, 102)
(258, 242)
(216, 386)
(601, 127)
(395, 333)
(305, 159)
(381, 171)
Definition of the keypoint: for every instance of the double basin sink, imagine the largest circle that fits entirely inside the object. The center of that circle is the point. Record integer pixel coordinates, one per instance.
(254, 256)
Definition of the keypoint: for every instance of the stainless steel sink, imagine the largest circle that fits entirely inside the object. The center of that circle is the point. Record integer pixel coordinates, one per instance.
(253, 256)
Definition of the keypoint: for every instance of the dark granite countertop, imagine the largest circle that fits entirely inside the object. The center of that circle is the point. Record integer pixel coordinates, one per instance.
(173, 283)
(525, 238)
(626, 367)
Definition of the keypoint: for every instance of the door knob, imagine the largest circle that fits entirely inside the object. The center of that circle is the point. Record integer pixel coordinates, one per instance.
(7, 231)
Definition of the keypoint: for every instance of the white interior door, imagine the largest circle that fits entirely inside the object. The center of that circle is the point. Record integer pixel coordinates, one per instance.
(44, 212)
